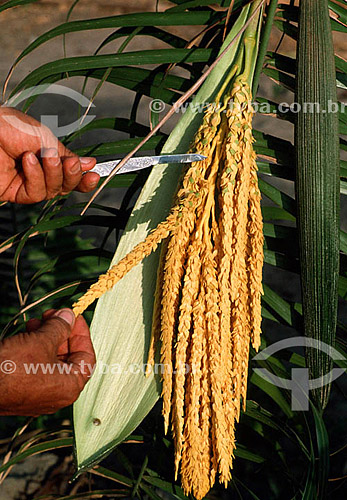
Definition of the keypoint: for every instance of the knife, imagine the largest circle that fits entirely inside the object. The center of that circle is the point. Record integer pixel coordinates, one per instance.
(140, 162)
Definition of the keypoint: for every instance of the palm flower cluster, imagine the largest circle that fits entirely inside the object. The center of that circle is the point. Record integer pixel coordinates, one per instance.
(207, 305)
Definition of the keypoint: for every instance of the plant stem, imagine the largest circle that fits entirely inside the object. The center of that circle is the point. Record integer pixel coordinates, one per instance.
(265, 36)
(250, 42)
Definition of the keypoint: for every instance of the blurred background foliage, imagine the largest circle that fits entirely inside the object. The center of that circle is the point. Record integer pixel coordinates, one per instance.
(121, 55)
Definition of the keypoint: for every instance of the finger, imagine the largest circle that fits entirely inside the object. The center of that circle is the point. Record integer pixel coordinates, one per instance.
(56, 330)
(63, 349)
(33, 324)
(88, 183)
(73, 170)
(53, 171)
(87, 162)
(72, 173)
(84, 184)
(34, 179)
(80, 341)
(81, 351)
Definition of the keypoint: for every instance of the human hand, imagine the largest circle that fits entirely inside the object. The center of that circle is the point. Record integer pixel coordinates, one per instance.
(34, 165)
(58, 344)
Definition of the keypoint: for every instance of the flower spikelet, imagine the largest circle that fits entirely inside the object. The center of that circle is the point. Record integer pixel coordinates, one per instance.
(118, 271)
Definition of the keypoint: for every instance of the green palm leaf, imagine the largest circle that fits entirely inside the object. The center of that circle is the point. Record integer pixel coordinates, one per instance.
(120, 404)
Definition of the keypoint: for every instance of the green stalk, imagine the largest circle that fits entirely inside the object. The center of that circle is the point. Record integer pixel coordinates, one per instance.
(245, 60)
(265, 36)
(250, 40)
(317, 185)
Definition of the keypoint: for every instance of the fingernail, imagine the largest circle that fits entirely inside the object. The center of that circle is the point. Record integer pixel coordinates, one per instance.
(93, 183)
(86, 159)
(75, 168)
(65, 314)
(32, 158)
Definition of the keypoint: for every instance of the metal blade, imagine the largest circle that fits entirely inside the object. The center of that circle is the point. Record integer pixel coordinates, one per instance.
(138, 163)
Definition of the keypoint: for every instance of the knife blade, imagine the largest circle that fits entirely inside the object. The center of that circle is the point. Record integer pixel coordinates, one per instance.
(140, 162)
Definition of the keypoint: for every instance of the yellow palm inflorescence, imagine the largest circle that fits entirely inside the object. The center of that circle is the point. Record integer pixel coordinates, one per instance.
(207, 303)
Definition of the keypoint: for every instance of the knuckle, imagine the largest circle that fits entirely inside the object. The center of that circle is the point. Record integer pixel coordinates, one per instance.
(37, 197)
(52, 194)
(75, 391)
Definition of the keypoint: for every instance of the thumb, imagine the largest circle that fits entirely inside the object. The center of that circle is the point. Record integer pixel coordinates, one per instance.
(57, 328)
